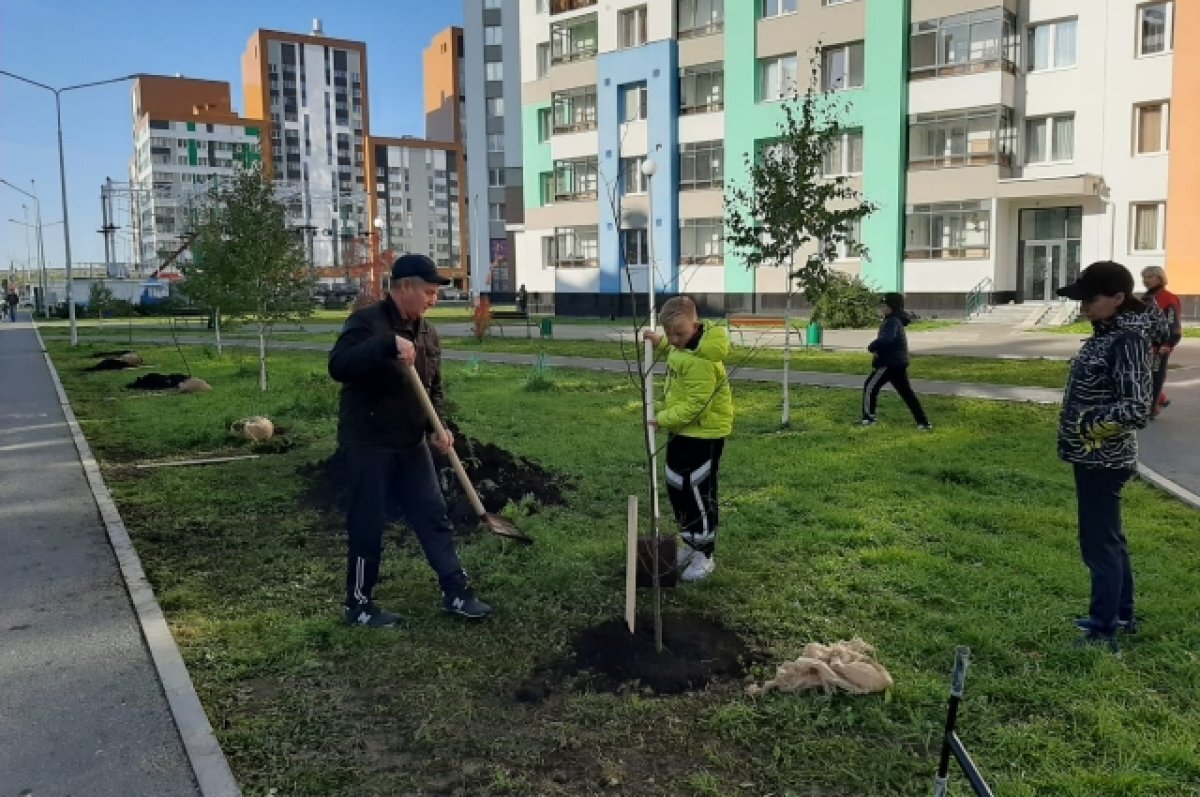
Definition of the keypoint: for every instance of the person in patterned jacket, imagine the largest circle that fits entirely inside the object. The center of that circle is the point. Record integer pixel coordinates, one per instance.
(1155, 280)
(1109, 396)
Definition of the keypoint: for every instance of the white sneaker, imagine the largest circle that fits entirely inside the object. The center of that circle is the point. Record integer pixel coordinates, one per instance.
(683, 554)
(699, 568)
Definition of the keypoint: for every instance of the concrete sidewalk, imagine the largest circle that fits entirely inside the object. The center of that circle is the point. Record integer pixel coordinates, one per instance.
(82, 711)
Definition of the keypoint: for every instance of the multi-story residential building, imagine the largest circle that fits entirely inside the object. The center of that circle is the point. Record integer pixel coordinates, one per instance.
(417, 199)
(185, 135)
(311, 93)
(492, 75)
(1006, 142)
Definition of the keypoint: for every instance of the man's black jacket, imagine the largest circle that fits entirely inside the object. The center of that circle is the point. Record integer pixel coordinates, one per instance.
(379, 406)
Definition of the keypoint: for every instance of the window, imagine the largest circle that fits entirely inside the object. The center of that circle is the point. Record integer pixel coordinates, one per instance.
(1151, 128)
(842, 67)
(845, 155)
(574, 110)
(701, 242)
(495, 106)
(776, 77)
(702, 165)
(1050, 139)
(632, 179)
(575, 247)
(1149, 221)
(493, 34)
(496, 178)
(575, 179)
(950, 230)
(546, 187)
(631, 27)
(702, 88)
(543, 59)
(543, 124)
(494, 70)
(633, 102)
(850, 247)
(1052, 45)
(496, 211)
(1155, 23)
(980, 41)
(543, 6)
(635, 247)
(775, 8)
(970, 137)
(573, 40)
(699, 17)
(495, 142)
(491, 4)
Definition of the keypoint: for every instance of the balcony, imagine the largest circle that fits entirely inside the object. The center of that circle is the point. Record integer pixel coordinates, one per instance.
(965, 44)
(563, 6)
(970, 137)
(576, 180)
(573, 111)
(574, 40)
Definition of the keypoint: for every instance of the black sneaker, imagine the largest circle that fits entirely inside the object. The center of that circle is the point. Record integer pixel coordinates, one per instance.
(370, 615)
(465, 604)
(1127, 626)
(1095, 639)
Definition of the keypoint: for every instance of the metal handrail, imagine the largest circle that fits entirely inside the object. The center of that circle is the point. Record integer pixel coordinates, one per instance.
(979, 298)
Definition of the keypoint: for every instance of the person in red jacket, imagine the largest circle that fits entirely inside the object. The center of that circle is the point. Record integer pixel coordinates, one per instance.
(1155, 280)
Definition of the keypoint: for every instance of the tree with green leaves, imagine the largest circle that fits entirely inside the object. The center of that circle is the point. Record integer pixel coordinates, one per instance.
(246, 263)
(100, 299)
(787, 213)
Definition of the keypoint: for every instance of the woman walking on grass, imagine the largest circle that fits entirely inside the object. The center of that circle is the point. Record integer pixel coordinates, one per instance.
(1109, 396)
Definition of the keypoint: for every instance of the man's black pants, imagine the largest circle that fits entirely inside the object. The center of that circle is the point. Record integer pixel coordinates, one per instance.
(692, 465)
(1160, 375)
(377, 481)
(898, 376)
(1102, 542)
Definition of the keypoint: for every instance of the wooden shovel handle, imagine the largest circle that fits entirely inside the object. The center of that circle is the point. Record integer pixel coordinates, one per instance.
(455, 462)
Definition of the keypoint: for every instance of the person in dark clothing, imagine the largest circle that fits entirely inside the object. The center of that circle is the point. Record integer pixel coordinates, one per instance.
(1108, 397)
(890, 363)
(522, 299)
(13, 300)
(385, 435)
(1155, 280)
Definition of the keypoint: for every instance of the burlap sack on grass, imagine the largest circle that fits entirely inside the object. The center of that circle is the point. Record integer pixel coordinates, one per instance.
(845, 666)
(256, 428)
(193, 384)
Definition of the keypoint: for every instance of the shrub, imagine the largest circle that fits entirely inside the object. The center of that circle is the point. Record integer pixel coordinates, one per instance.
(846, 303)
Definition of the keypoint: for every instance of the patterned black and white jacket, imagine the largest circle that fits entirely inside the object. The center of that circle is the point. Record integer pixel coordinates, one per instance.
(1109, 394)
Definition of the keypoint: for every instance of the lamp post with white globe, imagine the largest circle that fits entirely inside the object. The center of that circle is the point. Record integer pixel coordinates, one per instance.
(649, 168)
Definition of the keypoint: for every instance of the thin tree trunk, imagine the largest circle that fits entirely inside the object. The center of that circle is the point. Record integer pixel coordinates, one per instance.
(262, 357)
(787, 358)
(217, 328)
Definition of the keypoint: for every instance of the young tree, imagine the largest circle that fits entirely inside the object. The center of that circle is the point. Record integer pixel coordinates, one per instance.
(246, 262)
(787, 209)
(100, 299)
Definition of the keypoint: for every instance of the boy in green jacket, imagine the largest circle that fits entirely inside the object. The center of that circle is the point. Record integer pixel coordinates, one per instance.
(697, 415)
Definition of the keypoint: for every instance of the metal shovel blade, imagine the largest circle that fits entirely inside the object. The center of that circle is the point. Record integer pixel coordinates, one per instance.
(502, 528)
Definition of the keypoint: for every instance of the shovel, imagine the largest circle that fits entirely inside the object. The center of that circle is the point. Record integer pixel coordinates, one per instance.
(493, 523)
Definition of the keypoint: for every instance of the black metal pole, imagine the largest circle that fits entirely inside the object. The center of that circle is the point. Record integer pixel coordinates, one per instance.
(958, 681)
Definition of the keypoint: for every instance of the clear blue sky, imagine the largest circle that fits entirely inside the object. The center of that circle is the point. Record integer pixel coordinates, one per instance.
(64, 42)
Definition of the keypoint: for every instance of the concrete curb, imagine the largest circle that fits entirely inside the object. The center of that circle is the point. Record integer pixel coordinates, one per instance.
(204, 752)
(1180, 492)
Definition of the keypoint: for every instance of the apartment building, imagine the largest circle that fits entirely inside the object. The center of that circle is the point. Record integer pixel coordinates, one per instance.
(417, 202)
(186, 135)
(492, 75)
(1006, 142)
(310, 90)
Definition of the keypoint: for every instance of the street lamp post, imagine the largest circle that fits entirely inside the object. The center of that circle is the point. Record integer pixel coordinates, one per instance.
(62, 176)
(41, 249)
(649, 168)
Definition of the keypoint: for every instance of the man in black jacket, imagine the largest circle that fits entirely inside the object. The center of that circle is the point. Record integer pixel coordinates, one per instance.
(385, 437)
(890, 363)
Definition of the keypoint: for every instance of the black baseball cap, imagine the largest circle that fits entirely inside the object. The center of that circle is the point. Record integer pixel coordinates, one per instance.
(418, 266)
(1103, 278)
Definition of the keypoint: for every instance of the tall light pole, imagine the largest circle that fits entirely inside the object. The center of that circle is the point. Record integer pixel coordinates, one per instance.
(62, 175)
(41, 244)
(649, 168)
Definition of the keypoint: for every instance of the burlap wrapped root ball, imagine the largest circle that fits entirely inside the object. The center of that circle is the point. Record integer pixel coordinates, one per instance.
(255, 428)
(131, 358)
(193, 384)
(844, 666)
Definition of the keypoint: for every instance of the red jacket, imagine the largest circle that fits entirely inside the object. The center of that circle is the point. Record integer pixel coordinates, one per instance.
(1172, 309)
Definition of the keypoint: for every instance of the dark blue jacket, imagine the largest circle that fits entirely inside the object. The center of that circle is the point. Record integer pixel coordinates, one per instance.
(890, 347)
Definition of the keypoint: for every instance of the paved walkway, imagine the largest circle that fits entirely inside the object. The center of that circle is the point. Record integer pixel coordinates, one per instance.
(82, 711)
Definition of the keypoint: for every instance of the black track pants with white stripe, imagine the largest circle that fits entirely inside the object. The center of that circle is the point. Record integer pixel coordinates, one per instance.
(692, 465)
(898, 376)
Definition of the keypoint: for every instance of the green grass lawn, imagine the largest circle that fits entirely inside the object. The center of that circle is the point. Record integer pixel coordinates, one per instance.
(1033, 373)
(915, 542)
(1085, 328)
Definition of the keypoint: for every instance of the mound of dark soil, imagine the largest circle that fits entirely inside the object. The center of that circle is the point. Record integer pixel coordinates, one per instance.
(499, 476)
(110, 364)
(696, 652)
(157, 381)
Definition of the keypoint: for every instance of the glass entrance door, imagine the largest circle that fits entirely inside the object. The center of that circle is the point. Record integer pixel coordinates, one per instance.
(1049, 265)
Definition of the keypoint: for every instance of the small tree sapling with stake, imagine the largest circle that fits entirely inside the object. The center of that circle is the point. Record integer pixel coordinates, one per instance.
(788, 206)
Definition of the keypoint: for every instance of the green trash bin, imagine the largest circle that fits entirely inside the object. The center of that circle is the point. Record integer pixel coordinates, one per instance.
(547, 327)
(812, 335)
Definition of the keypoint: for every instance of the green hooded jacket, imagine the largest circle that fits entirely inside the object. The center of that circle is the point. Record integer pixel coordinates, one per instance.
(698, 401)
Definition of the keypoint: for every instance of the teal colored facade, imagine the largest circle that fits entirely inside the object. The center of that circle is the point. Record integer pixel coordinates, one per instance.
(535, 155)
(879, 108)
